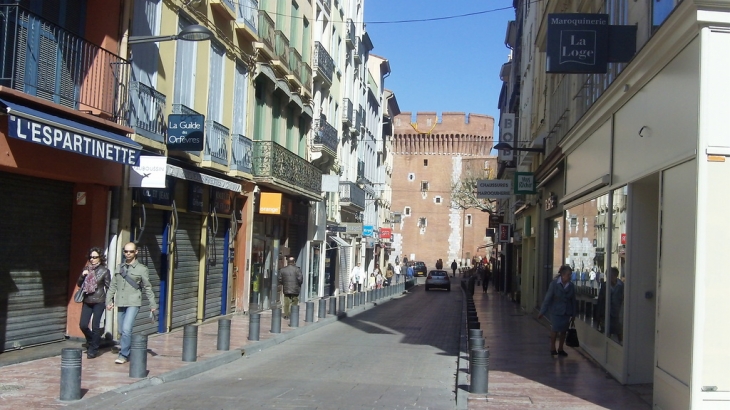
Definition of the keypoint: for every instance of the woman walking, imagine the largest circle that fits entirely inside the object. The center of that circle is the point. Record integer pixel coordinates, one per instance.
(561, 303)
(94, 281)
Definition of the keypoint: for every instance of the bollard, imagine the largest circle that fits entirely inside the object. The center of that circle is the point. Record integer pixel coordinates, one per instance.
(479, 371)
(350, 300)
(322, 311)
(138, 357)
(254, 326)
(276, 320)
(475, 333)
(309, 315)
(333, 305)
(294, 316)
(70, 374)
(356, 299)
(476, 343)
(190, 343)
(341, 302)
(224, 334)
(369, 296)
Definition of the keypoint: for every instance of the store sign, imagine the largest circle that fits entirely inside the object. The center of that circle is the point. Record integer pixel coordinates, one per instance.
(494, 188)
(150, 172)
(367, 230)
(158, 196)
(524, 183)
(353, 228)
(222, 200)
(505, 231)
(386, 233)
(623, 239)
(270, 203)
(495, 220)
(577, 43)
(335, 228)
(195, 197)
(507, 134)
(185, 132)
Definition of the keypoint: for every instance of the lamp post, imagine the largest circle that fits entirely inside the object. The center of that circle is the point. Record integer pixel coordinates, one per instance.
(193, 32)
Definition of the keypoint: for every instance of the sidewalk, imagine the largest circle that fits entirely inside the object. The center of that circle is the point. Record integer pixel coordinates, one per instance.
(35, 384)
(523, 375)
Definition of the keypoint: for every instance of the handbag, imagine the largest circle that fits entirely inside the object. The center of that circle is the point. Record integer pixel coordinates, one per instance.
(79, 296)
(571, 338)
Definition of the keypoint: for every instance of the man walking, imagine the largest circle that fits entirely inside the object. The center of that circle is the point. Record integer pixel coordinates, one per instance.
(356, 278)
(291, 280)
(453, 268)
(125, 291)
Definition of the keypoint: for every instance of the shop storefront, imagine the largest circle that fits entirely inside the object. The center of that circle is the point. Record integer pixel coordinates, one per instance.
(58, 172)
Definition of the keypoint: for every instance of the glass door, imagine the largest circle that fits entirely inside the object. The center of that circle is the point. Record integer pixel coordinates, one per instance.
(261, 269)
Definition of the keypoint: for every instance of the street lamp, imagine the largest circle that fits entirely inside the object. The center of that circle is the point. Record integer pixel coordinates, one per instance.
(504, 145)
(193, 32)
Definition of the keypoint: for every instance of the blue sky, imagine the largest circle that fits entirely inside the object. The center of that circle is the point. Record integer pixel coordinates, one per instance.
(447, 65)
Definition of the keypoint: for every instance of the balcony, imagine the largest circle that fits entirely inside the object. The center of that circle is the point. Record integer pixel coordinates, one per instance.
(352, 195)
(357, 53)
(281, 49)
(350, 38)
(347, 111)
(267, 34)
(355, 129)
(216, 143)
(247, 18)
(306, 78)
(225, 8)
(277, 166)
(56, 65)
(325, 136)
(147, 111)
(295, 65)
(323, 65)
(326, 5)
(362, 125)
(241, 154)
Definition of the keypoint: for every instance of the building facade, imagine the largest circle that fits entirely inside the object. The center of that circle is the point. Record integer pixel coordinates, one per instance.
(622, 185)
(430, 157)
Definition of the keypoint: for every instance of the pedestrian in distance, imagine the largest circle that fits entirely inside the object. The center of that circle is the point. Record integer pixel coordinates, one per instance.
(617, 301)
(378, 278)
(94, 280)
(290, 278)
(356, 277)
(454, 266)
(409, 271)
(397, 272)
(389, 272)
(125, 292)
(486, 276)
(561, 303)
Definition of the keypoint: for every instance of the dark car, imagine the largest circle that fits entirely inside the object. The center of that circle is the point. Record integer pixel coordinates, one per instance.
(419, 269)
(438, 279)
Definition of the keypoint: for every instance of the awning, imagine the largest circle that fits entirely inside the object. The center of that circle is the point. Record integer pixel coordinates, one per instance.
(296, 100)
(341, 242)
(266, 71)
(308, 111)
(28, 124)
(202, 178)
(284, 87)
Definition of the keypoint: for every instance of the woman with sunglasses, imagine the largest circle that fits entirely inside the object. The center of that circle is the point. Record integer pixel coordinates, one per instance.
(94, 281)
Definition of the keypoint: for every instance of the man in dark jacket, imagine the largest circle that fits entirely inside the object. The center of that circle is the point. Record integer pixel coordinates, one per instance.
(291, 279)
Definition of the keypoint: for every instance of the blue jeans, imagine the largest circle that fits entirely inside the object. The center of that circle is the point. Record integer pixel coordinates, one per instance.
(125, 319)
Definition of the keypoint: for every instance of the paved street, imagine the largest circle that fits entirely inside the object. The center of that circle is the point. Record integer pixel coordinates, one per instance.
(401, 355)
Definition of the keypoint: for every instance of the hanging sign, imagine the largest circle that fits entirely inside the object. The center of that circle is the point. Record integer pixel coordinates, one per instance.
(577, 43)
(185, 132)
(494, 188)
(524, 183)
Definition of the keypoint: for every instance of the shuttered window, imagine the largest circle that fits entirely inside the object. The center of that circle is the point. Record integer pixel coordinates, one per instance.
(185, 60)
(240, 99)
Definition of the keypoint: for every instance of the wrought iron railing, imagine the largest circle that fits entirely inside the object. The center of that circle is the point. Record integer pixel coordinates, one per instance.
(241, 154)
(350, 37)
(281, 47)
(147, 111)
(295, 62)
(247, 12)
(266, 31)
(352, 194)
(183, 109)
(46, 61)
(216, 143)
(347, 111)
(327, 5)
(325, 134)
(273, 162)
(322, 62)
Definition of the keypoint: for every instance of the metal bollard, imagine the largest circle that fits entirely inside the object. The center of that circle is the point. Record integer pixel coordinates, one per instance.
(476, 343)
(224, 334)
(138, 357)
(294, 316)
(341, 302)
(479, 371)
(350, 300)
(190, 343)
(322, 311)
(254, 326)
(70, 374)
(276, 320)
(356, 299)
(475, 333)
(333, 305)
(370, 296)
(309, 315)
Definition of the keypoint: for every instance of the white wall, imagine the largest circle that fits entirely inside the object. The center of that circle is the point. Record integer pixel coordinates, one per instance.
(590, 161)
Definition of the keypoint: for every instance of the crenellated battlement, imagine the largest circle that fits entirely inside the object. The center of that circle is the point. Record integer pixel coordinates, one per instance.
(430, 122)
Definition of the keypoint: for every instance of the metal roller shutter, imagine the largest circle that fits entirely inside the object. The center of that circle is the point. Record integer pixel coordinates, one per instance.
(150, 253)
(35, 237)
(187, 265)
(217, 267)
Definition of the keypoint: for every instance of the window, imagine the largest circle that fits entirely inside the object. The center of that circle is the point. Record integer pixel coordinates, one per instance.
(407, 211)
(424, 186)
(411, 176)
(425, 162)
(468, 220)
(185, 60)
(437, 200)
(240, 86)
(215, 84)
(422, 222)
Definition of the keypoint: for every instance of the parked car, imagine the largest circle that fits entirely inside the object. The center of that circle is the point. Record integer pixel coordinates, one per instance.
(438, 279)
(419, 268)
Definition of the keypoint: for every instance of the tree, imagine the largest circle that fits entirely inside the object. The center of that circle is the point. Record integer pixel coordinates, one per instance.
(464, 191)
